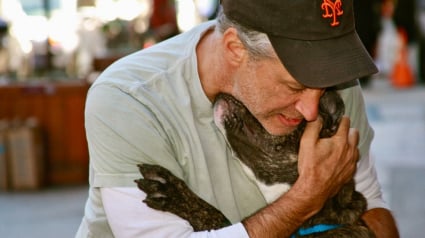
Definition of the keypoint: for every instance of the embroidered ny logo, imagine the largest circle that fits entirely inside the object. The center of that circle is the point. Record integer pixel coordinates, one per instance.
(333, 9)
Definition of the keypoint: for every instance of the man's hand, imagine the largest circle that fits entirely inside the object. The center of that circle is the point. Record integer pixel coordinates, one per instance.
(324, 165)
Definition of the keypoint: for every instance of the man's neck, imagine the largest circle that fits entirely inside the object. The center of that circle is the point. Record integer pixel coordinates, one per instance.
(211, 72)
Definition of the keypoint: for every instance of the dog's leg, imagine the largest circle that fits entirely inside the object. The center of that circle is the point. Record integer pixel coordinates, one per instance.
(168, 193)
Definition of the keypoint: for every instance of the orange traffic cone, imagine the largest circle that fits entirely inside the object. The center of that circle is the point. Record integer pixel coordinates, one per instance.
(402, 75)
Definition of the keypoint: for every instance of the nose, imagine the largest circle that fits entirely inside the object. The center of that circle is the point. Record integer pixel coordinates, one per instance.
(308, 103)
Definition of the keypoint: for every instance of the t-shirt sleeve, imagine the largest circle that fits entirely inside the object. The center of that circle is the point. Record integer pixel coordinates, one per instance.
(123, 132)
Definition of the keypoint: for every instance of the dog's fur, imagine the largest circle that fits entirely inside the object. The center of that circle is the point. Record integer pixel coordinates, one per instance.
(272, 160)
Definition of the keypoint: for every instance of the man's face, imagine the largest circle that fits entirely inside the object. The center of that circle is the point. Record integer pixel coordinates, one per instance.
(274, 97)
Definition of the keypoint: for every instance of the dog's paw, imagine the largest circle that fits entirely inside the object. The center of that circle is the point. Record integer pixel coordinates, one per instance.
(166, 192)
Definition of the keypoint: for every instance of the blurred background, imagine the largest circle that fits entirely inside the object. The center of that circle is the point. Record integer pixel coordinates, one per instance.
(61, 38)
(51, 51)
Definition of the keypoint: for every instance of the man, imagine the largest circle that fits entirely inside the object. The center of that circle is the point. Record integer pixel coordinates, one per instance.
(155, 107)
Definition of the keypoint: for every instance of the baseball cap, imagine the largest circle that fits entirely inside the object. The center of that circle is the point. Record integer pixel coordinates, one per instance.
(315, 40)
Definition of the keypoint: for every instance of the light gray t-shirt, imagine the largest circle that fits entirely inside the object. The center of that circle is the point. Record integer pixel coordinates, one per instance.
(149, 107)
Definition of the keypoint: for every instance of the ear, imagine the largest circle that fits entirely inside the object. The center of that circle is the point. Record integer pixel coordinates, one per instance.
(234, 51)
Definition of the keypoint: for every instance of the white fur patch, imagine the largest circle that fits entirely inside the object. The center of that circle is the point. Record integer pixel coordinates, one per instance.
(293, 157)
(270, 192)
(273, 192)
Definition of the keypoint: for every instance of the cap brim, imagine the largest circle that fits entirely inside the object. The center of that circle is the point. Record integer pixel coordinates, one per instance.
(324, 63)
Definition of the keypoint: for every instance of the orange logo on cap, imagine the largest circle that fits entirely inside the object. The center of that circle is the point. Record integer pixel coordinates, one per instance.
(333, 9)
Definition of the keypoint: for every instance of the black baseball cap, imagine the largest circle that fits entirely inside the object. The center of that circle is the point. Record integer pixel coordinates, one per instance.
(315, 40)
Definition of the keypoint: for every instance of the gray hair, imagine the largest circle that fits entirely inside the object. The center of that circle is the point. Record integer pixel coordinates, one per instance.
(257, 43)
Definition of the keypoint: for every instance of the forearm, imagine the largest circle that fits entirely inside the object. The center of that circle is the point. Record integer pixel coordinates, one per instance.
(382, 222)
(284, 216)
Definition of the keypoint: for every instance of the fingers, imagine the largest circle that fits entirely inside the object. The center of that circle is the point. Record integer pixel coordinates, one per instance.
(353, 141)
(312, 130)
(352, 153)
(353, 137)
(332, 160)
(344, 127)
(350, 137)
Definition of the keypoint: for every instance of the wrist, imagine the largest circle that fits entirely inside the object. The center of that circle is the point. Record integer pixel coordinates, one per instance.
(307, 196)
(282, 217)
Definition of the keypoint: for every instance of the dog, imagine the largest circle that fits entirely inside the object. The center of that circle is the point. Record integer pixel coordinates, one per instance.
(272, 161)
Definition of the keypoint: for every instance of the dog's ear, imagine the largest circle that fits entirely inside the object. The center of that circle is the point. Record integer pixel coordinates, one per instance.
(331, 109)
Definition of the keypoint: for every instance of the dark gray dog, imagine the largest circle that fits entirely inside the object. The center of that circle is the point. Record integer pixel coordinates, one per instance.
(273, 162)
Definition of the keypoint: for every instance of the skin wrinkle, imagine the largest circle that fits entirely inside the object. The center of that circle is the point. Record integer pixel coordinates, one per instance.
(254, 92)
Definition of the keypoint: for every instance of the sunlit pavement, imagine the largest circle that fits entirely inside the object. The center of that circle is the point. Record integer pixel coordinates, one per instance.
(397, 115)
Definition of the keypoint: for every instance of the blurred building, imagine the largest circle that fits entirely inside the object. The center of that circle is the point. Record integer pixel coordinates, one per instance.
(64, 37)
(50, 52)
